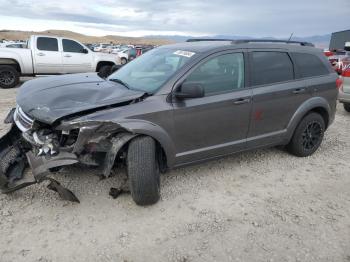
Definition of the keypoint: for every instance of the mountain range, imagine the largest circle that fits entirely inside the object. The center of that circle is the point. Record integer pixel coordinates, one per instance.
(321, 41)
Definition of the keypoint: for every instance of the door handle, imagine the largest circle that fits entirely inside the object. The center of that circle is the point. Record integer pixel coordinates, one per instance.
(67, 56)
(241, 101)
(40, 54)
(299, 91)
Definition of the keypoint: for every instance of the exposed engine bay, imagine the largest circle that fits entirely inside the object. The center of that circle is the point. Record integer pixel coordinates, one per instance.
(46, 149)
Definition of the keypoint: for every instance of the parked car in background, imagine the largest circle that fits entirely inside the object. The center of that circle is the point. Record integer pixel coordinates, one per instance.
(100, 47)
(328, 53)
(90, 46)
(344, 91)
(48, 55)
(127, 55)
(176, 105)
(130, 54)
(336, 59)
(14, 45)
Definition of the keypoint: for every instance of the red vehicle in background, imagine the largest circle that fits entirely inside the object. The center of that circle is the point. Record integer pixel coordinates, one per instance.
(328, 53)
(338, 59)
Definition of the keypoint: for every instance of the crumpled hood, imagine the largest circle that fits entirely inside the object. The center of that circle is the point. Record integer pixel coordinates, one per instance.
(48, 99)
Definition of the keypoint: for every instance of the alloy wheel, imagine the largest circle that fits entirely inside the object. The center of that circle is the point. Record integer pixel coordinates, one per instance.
(312, 135)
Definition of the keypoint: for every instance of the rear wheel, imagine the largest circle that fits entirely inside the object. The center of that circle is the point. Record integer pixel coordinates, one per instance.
(307, 136)
(9, 77)
(347, 107)
(105, 71)
(143, 171)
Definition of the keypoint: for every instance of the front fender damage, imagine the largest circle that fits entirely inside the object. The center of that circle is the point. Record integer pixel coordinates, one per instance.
(97, 144)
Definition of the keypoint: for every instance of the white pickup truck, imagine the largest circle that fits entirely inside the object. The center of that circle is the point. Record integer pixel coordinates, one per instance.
(48, 55)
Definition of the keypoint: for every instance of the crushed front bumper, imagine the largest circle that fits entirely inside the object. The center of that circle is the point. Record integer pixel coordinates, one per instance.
(15, 156)
(20, 149)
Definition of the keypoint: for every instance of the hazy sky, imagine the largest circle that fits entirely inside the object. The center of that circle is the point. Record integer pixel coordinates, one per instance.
(185, 17)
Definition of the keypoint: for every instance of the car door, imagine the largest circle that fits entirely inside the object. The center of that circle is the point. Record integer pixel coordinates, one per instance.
(276, 95)
(217, 123)
(75, 57)
(47, 56)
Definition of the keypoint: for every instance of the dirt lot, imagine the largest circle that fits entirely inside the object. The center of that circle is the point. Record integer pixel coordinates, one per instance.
(264, 205)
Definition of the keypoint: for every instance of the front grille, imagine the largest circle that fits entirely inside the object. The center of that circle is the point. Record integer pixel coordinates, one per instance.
(22, 120)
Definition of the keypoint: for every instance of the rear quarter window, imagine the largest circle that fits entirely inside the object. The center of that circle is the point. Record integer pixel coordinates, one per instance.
(271, 67)
(309, 65)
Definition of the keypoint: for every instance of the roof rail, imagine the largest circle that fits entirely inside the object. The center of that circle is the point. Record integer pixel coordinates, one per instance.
(242, 41)
(207, 39)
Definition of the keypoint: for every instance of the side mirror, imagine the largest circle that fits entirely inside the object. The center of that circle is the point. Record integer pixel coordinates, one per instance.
(190, 90)
(84, 51)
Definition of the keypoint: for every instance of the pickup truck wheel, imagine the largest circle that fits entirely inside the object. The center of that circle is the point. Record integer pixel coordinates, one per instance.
(9, 77)
(307, 136)
(105, 71)
(123, 60)
(347, 107)
(143, 171)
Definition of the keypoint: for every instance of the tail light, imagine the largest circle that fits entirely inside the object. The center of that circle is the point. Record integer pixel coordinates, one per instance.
(339, 83)
(328, 53)
(346, 72)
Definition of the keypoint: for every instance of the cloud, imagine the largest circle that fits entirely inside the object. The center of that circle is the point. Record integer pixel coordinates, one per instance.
(249, 17)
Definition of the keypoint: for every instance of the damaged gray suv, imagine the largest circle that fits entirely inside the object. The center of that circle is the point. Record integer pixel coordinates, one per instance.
(176, 105)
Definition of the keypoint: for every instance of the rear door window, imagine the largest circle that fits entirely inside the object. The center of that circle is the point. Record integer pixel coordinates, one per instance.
(47, 44)
(271, 67)
(309, 65)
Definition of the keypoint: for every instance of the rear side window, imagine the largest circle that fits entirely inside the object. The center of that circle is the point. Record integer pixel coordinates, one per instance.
(309, 65)
(271, 67)
(47, 44)
(72, 46)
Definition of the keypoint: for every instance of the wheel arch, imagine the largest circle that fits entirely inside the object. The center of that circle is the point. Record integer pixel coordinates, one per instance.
(103, 63)
(315, 104)
(163, 141)
(11, 62)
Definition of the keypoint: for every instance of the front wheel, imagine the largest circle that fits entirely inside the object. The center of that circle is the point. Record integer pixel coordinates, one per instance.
(307, 136)
(143, 171)
(9, 77)
(347, 107)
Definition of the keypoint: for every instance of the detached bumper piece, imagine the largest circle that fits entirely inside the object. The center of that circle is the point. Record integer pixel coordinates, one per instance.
(15, 157)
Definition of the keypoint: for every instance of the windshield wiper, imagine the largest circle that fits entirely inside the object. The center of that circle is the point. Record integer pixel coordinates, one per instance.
(120, 82)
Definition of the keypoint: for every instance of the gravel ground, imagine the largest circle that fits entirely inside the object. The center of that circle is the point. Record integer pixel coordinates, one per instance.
(264, 205)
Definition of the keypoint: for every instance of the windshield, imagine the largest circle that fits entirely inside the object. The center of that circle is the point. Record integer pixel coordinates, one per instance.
(150, 71)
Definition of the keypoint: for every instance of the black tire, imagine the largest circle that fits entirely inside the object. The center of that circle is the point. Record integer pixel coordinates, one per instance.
(307, 136)
(9, 77)
(105, 71)
(347, 107)
(123, 60)
(143, 171)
